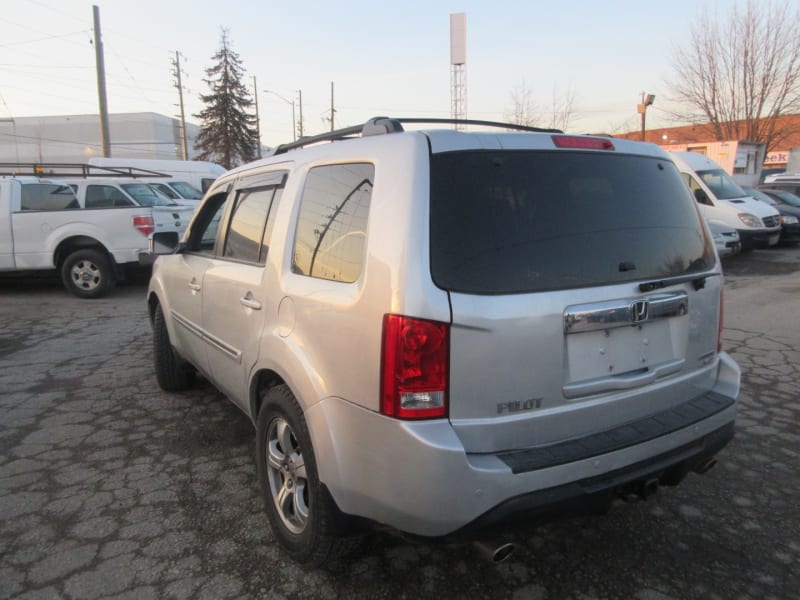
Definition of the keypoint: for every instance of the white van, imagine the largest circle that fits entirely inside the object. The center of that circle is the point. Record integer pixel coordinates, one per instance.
(199, 173)
(723, 202)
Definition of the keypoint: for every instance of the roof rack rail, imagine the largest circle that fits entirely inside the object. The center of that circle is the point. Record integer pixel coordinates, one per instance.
(384, 125)
(60, 170)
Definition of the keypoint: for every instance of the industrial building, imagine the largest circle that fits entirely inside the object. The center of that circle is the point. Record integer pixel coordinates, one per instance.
(76, 138)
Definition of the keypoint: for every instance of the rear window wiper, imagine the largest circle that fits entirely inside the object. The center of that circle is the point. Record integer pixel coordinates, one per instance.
(698, 281)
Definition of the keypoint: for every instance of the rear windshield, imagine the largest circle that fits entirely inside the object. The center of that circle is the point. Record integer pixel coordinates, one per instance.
(145, 195)
(524, 221)
(187, 190)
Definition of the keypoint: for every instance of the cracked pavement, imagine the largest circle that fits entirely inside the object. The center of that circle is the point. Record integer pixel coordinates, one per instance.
(111, 488)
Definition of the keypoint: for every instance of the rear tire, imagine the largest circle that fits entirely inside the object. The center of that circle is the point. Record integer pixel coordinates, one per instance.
(172, 372)
(87, 273)
(304, 518)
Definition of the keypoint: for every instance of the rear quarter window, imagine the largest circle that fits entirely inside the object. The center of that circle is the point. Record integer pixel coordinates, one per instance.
(332, 225)
(525, 221)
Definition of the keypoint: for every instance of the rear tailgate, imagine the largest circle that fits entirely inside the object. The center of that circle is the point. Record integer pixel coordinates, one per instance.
(172, 218)
(521, 376)
(543, 253)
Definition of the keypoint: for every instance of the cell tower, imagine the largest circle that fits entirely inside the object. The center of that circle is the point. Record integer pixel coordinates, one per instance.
(458, 66)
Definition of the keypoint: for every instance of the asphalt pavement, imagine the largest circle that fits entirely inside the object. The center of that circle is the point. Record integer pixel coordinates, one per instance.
(111, 488)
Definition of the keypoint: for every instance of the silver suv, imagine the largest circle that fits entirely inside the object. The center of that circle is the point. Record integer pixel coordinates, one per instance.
(435, 330)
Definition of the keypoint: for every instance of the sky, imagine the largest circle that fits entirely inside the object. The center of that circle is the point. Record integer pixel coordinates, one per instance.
(384, 58)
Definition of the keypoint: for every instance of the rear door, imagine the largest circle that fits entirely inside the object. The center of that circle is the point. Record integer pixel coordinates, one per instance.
(543, 253)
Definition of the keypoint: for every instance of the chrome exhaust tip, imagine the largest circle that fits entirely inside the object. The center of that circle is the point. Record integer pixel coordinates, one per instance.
(495, 553)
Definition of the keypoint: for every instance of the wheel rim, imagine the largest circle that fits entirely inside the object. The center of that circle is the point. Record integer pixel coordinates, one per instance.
(286, 471)
(85, 274)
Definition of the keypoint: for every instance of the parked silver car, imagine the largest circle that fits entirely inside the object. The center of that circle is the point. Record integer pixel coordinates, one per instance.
(435, 330)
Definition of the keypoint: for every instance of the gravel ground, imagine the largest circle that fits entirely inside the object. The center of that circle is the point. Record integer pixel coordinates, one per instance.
(111, 488)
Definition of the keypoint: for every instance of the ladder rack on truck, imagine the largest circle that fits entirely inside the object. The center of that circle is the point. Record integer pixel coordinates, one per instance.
(62, 170)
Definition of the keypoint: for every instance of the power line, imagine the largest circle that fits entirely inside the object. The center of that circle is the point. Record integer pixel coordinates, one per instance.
(47, 34)
(29, 66)
(55, 10)
(43, 39)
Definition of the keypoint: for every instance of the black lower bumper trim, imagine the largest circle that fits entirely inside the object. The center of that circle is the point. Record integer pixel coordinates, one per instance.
(592, 494)
(618, 438)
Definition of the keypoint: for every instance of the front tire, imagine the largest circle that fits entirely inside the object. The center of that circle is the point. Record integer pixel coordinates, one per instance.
(303, 516)
(87, 273)
(172, 372)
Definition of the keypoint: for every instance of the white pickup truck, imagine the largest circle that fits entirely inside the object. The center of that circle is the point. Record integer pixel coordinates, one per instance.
(44, 225)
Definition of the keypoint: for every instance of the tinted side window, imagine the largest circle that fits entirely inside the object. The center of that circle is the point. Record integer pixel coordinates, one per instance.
(248, 223)
(105, 196)
(203, 236)
(332, 226)
(47, 196)
(698, 193)
(526, 221)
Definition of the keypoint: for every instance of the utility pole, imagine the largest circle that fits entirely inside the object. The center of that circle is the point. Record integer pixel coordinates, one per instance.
(258, 122)
(300, 94)
(176, 64)
(332, 109)
(101, 83)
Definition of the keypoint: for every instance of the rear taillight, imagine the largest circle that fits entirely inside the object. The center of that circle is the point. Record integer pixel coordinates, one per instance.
(721, 311)
(144, 225)
(414, 368)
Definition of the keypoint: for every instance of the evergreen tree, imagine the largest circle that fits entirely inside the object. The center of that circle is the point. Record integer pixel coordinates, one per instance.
(228, 133)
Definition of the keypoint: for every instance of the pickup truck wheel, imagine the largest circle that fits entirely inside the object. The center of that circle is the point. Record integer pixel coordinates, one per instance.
(304, 518)
(87, 273)
(172, 372)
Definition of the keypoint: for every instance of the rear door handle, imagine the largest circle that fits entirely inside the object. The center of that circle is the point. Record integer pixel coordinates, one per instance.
(250, 302)
(193, 285)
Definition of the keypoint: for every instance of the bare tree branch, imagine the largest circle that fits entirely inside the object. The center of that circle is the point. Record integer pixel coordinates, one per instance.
(741, 74)
(525, 110)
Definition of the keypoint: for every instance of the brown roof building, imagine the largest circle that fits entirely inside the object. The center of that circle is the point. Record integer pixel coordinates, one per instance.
(788, 125)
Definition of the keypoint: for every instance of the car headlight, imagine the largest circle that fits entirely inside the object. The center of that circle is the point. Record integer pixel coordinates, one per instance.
(789, 220)
(750, 220)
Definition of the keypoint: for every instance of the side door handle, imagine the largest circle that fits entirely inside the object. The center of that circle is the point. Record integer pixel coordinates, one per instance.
(193, 285)
(250, 302)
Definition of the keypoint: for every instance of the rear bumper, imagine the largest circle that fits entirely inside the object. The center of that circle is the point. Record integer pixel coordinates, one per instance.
(417, 478)
(593, 493)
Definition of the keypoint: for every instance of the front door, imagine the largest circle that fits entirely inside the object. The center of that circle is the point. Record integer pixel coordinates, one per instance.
(236, 288)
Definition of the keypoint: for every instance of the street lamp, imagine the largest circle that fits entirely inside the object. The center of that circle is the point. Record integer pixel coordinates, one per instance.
(294, 122)
(647, 100)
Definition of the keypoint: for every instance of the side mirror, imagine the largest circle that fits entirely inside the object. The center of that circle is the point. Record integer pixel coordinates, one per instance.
(163, 242)
(701, 196)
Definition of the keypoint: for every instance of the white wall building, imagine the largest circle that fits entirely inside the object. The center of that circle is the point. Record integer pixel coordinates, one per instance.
(76, 138)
